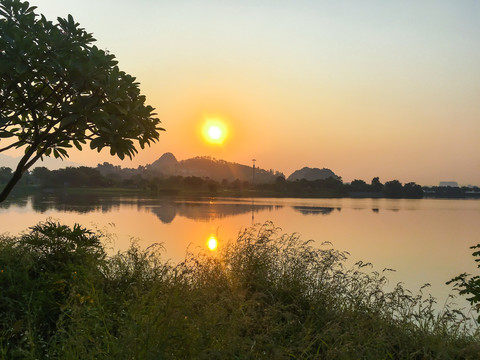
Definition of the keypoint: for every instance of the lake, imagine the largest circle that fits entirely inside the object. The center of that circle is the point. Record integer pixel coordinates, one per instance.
(425, 241)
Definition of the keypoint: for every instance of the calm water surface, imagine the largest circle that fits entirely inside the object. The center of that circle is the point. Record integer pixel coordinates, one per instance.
(423, 240)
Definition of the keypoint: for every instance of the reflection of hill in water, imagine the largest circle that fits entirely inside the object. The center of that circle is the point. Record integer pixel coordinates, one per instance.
(314, 210)
(164, 208)
(204, 211)
(79, 203)
(65, 202)
(165, 212)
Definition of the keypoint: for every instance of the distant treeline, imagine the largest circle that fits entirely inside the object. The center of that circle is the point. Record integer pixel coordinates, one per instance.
(336, 188)
(87, 177)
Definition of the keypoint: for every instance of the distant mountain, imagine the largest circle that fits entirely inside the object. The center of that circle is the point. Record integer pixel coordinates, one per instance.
(312, 174)
(166, 160)
(50, 163)
(203, 166)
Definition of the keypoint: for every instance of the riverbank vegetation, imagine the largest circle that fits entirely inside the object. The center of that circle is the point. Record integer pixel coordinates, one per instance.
(91, 179)
(264, 295)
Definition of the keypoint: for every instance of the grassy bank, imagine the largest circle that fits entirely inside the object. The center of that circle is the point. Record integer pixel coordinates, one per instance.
(264, 295)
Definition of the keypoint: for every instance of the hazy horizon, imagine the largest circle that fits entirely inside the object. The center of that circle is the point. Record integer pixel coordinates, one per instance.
(55, 164)
(366, 89)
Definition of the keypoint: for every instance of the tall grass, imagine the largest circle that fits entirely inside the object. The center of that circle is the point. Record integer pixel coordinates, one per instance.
(264, 295)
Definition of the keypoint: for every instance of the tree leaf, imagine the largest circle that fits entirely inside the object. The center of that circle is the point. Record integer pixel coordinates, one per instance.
(21, 68)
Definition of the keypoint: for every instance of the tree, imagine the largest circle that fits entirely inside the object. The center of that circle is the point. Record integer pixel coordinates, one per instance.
(41, 174)
(5, 174)
(412, 190)
(393, 189)
(57, 89)
(359, 186)
(376, 185)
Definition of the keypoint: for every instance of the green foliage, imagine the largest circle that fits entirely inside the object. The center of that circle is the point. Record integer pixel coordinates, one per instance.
(58, 90)
(43, 274)
(263, 295)
(470, 285)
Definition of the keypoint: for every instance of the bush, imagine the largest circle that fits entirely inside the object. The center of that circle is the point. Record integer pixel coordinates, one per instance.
(470, 285)
(263, 295)
(43, 275)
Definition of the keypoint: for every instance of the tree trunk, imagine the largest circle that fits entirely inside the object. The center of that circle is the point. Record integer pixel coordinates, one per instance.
(21, 168)
(17, 175)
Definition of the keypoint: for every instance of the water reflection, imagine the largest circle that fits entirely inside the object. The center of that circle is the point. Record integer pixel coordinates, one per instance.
(204, 211)
(19, 201)
(81, 204)
(166, 212)
(314, 210)
(166, 209)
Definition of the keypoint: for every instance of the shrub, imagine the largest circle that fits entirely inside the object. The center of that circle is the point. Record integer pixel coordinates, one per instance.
(42, 275)
(264, 295)
(470, 285)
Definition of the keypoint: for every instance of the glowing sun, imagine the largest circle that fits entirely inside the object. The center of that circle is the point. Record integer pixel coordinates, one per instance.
(214, 131)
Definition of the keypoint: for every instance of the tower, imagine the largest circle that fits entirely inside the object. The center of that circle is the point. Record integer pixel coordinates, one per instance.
(253, 172)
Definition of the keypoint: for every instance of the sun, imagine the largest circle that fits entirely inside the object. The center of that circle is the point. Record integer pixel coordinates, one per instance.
(214, 131)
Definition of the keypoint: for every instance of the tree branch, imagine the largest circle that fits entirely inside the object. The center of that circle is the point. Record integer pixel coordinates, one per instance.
(36, 157)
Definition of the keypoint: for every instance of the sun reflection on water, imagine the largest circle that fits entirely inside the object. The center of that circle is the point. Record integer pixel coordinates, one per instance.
(212, 243)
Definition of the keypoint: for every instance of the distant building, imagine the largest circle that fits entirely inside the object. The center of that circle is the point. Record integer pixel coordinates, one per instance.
(449, 183)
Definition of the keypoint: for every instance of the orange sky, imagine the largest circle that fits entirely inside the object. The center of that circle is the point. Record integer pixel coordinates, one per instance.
(374, 88)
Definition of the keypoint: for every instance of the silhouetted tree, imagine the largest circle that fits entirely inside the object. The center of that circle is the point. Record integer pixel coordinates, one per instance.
(236, 184)
(376, 185)
(212, 186)
(5, 174)
(280, 183)
(412, 191)
(42, 175)
(393, 189)
(71, 176)
(359, 185)
(194, 182)
(449, 192)
(58, 90)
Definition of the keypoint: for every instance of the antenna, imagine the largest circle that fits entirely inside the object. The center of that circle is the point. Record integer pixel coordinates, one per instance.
(253, 171)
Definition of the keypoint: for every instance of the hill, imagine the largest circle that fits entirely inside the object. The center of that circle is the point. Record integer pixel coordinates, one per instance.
(312, 174)
(204, 166)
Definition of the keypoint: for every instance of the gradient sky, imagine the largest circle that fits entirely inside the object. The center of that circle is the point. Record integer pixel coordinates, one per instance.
(365, 88)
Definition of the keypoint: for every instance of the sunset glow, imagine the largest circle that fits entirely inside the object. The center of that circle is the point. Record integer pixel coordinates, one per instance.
(378, 89)
(214, 131)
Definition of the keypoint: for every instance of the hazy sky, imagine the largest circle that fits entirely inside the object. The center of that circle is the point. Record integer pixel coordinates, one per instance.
(365, 88)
